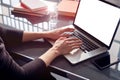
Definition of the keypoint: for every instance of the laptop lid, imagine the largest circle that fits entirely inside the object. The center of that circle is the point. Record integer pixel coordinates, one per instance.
(98, 19)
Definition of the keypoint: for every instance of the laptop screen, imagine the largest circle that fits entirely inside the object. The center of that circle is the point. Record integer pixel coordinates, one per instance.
(98, 19)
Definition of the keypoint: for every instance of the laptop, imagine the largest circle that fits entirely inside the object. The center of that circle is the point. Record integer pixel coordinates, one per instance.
(95, 23)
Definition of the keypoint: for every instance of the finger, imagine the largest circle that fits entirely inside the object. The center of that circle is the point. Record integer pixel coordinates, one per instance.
(75, 47)
(72, 43)
(73, 39)
(75, 44)
(66, 34)
(62, 38)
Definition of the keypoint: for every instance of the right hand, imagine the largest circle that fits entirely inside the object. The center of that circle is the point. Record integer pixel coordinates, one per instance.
(64, 45)
(59, 32)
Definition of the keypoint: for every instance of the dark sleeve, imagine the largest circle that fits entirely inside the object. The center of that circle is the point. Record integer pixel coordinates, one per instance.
(11, 70)
(11, 36)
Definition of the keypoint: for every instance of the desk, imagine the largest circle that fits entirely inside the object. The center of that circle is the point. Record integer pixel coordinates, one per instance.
(60, 65)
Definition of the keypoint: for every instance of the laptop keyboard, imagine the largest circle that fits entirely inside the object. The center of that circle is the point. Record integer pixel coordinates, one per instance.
(87, 44)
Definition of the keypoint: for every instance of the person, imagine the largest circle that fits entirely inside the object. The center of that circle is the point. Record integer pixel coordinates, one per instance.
(38, 68)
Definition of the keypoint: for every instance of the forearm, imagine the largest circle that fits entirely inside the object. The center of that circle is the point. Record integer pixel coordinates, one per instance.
(28, 36)
(49, 56)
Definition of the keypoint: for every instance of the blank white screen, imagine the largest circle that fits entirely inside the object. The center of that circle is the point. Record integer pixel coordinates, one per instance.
(98, 19)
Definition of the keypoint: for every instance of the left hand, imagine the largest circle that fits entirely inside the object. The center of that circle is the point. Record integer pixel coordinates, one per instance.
(57, 33)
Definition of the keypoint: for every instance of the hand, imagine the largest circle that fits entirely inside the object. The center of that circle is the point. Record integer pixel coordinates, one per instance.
(64, 45)
(57, 33)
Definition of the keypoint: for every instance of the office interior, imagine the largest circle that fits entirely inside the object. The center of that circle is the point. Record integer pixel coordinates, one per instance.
(7, 19)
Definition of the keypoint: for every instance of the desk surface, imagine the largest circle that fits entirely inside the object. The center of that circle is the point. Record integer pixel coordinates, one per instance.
(61, 65)
(86, 69)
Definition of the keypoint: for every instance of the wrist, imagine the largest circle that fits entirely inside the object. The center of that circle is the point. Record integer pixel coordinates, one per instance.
(49, 56)
(46, 34)
(55, 51)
